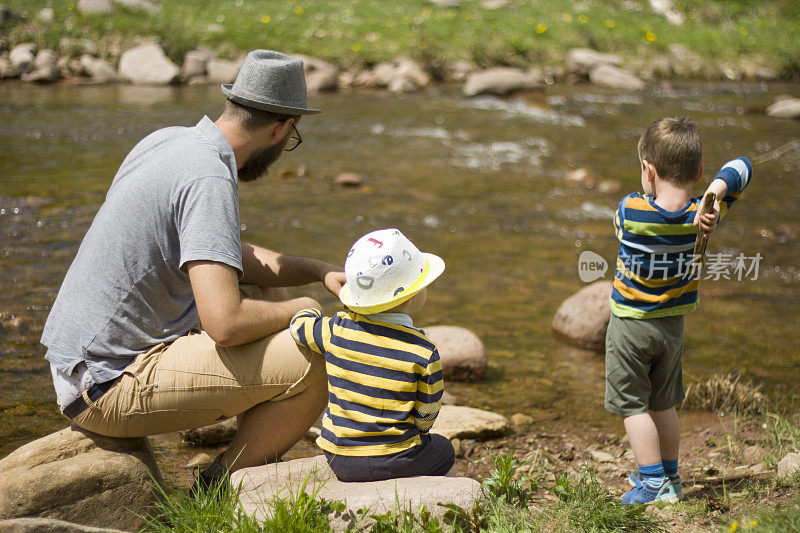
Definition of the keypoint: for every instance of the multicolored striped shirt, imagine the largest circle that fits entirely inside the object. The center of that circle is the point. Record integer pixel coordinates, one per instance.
(655, 276)
(384, 381)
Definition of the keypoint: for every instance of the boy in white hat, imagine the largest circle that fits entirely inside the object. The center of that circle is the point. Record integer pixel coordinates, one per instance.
(384, 376)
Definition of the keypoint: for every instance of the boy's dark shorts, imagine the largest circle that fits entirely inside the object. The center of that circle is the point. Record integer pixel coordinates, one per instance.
(435, 456)
(643, 364)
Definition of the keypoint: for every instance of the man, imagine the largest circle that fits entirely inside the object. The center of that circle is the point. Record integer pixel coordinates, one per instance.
(163, 257)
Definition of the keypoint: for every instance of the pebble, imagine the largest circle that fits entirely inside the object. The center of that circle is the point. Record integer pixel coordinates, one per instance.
(602, 457)
(520, 420)
(201, 460)
(348, 179)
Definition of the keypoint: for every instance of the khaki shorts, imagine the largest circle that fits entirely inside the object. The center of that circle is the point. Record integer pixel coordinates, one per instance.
(643, 364)
(193, 382)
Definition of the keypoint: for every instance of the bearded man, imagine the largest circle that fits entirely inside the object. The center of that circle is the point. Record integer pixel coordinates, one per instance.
(150, 332)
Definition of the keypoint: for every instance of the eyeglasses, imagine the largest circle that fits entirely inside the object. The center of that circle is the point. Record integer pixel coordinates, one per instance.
(295, 140)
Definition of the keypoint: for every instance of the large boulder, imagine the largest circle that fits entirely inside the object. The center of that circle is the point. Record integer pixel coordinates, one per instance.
(194, 64)
(785, 108)
(95, 7)
(615, 78)
(49, 525)
(581, 60)
(582, 319)
(260, 484)
(98, 69)
(45, 67)
(502, 81)
(462, 352)
(213, 435)
(223, 70)
(147, 65)
(401, 75)
(23, 57)
(320, 74)
(80, 477)
(458, 421)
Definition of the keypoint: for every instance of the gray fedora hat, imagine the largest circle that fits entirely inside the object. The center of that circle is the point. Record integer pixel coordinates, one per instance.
(270, 81)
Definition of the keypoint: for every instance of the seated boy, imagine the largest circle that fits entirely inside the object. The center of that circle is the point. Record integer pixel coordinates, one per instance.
(384, 376)
(655, 287)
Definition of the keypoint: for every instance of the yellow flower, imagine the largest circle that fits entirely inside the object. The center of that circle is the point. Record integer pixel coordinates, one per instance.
(743, 31)
(265, 19)
(71, 7)
(691, 15)
(541, 28)
(298, 10)
(566, 17)
(649, 37)
(609, 23)
(355, 47)
(753, 523)
(467, 16)
(583, 19)
(734, 527)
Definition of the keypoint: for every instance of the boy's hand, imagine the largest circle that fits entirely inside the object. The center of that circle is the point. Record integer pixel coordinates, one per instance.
(708, 221)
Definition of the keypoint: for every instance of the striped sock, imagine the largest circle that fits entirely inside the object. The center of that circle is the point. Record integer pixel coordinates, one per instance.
(670, 467)
(652, 474)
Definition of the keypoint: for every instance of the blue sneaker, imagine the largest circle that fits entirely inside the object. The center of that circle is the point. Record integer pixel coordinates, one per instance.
(636, 477)
(644, 492)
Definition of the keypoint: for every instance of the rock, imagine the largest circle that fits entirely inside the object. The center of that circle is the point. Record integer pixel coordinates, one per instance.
(401, 75)
(494, 4)
(789, 465)
(444, 4)
(201, 460)
(786, 108)
(49, 525)
(147, 65)
(260, 484)
(458, 421)
(459, 70)
(320, 74)
(502, 81)
(222, 70)
(95, 7)
(582, 319)
(402, 85)
(45, 67)
(753, 454)
(46, 15)
(78, 476)
(8, 16)
(365, 79)
(581, 60)
(151, 7)
(665, 8)
(448, 398)
(213, 435)
(462, 352)
(521, 420)
(348, 179)
(456, 446)
(98, 69)
(602, 457)
(345, 80)
(195, 62)
(615, 78)
(22, 57)
(7, 70)
(578, 175)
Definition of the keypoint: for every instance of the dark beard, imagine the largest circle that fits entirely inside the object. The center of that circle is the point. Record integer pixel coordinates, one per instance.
(258, 163)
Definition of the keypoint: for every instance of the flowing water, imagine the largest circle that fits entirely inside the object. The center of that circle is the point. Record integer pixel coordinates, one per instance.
(482, 183)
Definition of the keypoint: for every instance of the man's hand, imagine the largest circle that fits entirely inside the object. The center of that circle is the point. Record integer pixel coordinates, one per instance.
(708, 221)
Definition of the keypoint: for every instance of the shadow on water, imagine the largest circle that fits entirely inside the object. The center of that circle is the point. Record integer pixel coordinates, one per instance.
(483, 183)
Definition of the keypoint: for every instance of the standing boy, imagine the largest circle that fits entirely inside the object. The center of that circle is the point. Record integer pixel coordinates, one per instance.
(655, 287)
(384, 375)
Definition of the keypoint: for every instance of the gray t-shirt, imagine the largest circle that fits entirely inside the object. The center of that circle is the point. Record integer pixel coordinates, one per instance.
(173, 200)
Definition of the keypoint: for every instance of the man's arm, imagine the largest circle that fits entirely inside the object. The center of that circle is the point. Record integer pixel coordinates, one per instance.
(229, 319)
(271, 269)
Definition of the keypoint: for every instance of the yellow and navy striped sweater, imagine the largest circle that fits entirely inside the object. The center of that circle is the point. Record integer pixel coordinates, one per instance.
(384, 381)
(653, 277)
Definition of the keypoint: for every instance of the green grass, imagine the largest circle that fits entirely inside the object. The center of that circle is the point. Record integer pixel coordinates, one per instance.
(779, 519)
(363, 32)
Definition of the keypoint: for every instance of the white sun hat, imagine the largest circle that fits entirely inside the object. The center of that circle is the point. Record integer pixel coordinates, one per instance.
(384, 269)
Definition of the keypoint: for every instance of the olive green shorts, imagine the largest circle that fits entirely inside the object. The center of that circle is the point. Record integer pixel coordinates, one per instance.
(643, 364)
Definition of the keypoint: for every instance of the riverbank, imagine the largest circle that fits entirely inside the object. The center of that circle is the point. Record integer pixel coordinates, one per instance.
(711, 40)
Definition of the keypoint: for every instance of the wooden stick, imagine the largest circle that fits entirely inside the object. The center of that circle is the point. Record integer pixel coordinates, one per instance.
(702, 237)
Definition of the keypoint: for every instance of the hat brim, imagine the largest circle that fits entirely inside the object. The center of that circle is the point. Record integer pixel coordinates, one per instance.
(265, 105)
(435, 269)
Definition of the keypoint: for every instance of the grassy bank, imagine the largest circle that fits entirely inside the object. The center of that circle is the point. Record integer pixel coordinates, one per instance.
(355, 33)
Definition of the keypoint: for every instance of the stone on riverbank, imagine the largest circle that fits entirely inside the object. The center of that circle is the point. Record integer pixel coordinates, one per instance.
(458, 421)
(45, 67)
(502, 81)
(615, 78)
(7, 70)
(261, 483)
(95, 7)
(48, 525)
(151, 7)
(462, 352)
(147, 65)
(785, 108)
(22, 58)
(223, 70)
(581, 60)
(401, 75)
(582, 319)
(212, 435)
(789, 465)
(320, 74)
(98, 69)
(194, 65)
(78, 476)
